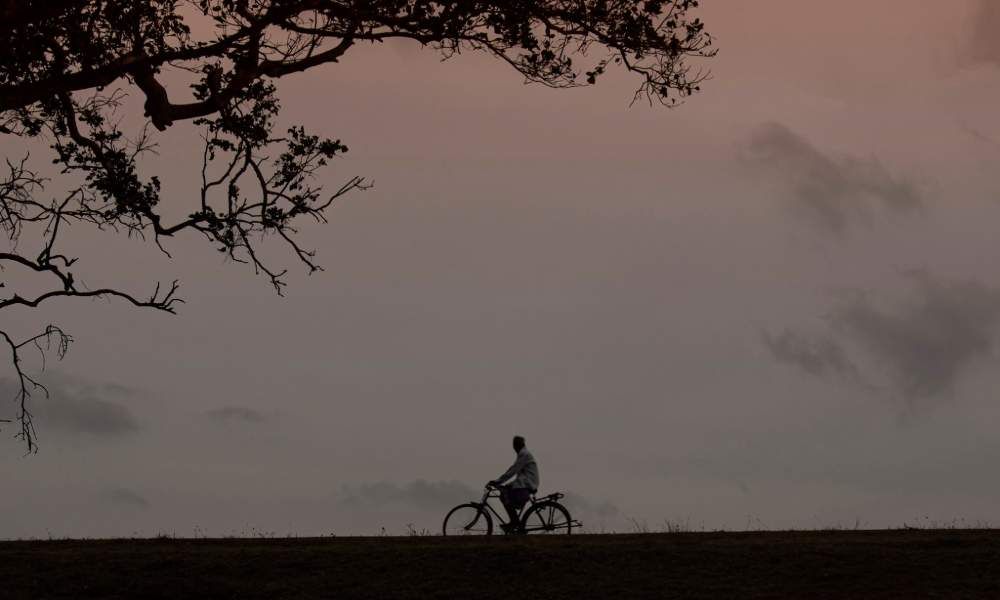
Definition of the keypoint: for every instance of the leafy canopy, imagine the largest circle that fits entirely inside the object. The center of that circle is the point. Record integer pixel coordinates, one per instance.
(67, 66)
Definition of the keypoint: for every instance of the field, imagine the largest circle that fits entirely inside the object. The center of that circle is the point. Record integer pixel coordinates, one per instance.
(817, 564)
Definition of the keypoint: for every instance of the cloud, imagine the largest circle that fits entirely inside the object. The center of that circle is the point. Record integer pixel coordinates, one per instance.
(984, 44)
(928, 344)
(816, 355)
(831, 193)
(921, 348)
(125, 497)
(75, 405)
(236, 414)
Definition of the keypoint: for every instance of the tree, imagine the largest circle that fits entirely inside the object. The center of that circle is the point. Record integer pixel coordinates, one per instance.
(67, 64)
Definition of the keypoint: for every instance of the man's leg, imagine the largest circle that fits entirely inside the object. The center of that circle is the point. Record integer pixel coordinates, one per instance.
(518, 498)
(509, 503)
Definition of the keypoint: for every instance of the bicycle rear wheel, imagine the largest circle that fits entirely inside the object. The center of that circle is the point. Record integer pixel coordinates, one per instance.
(547, 518)
(468, 519)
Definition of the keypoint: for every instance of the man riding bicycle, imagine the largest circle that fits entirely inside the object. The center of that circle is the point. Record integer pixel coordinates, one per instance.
(516, 494)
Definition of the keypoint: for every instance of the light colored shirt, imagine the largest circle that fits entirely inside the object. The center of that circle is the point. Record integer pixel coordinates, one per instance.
(524, 471)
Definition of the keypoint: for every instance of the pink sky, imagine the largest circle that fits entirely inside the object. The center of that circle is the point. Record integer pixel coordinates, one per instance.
(595, 277)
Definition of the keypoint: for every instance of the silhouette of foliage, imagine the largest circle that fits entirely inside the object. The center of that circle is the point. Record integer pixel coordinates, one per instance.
(67, 65)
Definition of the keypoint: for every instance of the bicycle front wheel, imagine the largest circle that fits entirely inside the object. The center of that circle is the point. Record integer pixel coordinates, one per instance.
(548, 518)
(468, 519)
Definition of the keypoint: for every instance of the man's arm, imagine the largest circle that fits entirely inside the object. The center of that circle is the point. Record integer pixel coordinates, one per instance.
(513, 470)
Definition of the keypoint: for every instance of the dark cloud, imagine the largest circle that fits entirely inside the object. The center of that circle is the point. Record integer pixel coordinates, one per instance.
(945, 328)
(419, 494)
(984, 43)
(832, 193)
(922, 347)
(125, 497)
(236, 414)
(75, 405)
(816, 355)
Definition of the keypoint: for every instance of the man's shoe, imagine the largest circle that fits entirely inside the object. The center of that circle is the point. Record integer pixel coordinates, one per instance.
(508, 528)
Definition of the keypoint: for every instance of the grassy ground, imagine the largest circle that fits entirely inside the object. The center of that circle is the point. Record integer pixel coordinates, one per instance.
(836, 564)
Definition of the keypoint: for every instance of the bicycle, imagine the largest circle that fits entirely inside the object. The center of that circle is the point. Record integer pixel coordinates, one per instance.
(543, 515)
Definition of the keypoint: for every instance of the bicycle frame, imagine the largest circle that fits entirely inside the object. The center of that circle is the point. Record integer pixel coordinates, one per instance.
(501, 517)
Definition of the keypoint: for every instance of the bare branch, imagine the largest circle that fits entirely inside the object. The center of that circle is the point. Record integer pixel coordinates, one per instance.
(26, 385)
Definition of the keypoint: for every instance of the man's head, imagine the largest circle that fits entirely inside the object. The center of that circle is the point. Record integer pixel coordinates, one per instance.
(518, 443)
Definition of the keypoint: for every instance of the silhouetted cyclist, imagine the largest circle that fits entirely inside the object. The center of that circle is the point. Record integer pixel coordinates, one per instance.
(515, 494)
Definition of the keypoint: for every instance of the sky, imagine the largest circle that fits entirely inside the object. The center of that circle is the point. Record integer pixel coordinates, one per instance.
(774, 306)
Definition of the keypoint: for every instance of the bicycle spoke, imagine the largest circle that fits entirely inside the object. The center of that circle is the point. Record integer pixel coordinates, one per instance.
(472, 526)
(467, 519)
(548, 518)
